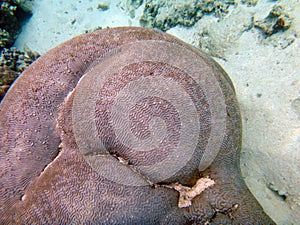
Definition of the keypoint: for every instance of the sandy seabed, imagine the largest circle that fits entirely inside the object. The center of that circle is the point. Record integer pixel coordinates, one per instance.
(265, 74)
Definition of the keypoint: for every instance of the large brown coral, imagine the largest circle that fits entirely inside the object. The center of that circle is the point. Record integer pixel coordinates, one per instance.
(110, 126)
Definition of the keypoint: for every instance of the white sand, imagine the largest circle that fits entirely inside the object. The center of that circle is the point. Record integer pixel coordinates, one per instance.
(267, 81)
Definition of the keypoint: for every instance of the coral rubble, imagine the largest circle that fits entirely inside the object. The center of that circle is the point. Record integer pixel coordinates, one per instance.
(12, 63)
(12, 14)
(164, 15)
(278, 19)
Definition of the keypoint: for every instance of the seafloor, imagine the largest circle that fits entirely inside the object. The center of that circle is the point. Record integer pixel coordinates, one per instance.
(256, 42)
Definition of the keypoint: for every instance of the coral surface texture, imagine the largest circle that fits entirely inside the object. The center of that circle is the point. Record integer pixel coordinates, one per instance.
(123, 126)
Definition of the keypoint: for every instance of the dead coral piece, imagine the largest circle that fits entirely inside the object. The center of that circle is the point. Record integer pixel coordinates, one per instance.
(250, 2)
(103, 6)
(167, 14)
(186, 194)
(13, 63)
(277, 20)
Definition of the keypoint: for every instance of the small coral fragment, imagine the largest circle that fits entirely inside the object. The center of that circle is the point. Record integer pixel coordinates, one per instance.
(102, 6)
(278, 19)
(186, 194)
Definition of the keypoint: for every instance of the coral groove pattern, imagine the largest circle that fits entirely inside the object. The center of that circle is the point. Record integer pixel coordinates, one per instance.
(98, 129)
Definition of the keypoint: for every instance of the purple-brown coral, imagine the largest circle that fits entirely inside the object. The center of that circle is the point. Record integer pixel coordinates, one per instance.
(118, 127)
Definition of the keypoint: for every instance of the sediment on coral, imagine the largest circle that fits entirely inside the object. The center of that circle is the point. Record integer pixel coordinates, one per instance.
(13, 63)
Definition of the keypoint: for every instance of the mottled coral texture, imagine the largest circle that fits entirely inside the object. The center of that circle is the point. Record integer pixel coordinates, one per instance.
(52, 172)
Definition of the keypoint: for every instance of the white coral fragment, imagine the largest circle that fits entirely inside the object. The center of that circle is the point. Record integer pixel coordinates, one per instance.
(186, 194)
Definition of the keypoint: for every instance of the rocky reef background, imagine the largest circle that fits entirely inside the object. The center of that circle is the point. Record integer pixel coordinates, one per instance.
(256, 41)
(13, 14)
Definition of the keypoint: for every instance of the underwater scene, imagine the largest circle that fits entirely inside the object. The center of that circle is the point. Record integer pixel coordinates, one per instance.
(150, 112)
